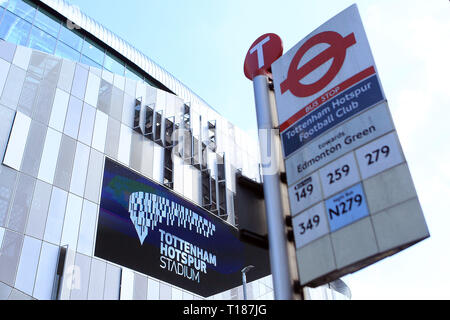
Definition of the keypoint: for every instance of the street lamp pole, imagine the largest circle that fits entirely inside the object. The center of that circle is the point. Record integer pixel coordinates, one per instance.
(244, 279)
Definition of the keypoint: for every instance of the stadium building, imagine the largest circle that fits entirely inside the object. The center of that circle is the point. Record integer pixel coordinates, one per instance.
(117, 181)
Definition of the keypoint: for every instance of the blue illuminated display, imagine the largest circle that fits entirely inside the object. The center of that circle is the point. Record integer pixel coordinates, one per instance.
(148, 228)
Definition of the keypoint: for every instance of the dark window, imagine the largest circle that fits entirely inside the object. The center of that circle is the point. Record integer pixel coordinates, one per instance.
(221, 183)
(196, 153)
(213, 196)
(212, 135)
(149, 122)
(168, 132)
(204, 156)
(187, 117)
(187, 146)
(206, 189)
(168, 168)
(137, 116)
(222, 201)
(158, 128)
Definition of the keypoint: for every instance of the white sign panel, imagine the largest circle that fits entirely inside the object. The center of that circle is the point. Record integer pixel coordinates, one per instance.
(310, 225)
(339, 174)
(379, 155)
(305, 193)
(334, 57)
(344, 163)
(340, 140)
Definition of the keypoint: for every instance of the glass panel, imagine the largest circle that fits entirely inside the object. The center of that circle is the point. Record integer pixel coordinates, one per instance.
(22, 203)
(3, 4)
(80, 168)
(55, 216)
(80, 81)
(87, 124)
(43, 287)
(47, 22)
(28, 265)
(59, 110)
(112, 283)
(14, 30)
(92, 89)
(24, 9)
(97, 279)
(116, 103)
(64, 166)
(127, 284)
(113, 138)
(49, 156)
(94, 177)
(7, 185)
(137, 141)
(42, 41)
(152, 289)
(132, 74)
(140, 287)
(29, 93)
(177, 294)
(66, 75)
(87, 228)
(73, 117)
(71, 37)
(72, 221)
(13, 87)
(93, 52)
(64, 51)
(165, 291)
(38, 211)
(9, 256)
(100, 129)
(90, 62)
(44, 100)
(104, 97)
(17, 141)
(113, 64)
(5, 291)
(125, 144)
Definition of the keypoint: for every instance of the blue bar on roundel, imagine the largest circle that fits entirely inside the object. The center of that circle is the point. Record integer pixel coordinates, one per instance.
(349, 103)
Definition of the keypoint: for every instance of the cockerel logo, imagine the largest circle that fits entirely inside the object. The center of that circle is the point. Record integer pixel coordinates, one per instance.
(147, 210)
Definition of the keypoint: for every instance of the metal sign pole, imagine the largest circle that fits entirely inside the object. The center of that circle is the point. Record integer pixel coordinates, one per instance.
(244, 285)
(272, 195)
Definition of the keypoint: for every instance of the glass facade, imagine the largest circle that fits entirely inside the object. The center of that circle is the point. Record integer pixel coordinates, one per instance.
(23, 23)
(60, 119)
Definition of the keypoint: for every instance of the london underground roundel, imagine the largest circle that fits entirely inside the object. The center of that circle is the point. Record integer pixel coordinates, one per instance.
(331, 60)
(336, 52)
(262, 53)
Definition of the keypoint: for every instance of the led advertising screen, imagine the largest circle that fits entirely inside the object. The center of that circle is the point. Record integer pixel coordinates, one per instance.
(148, 228)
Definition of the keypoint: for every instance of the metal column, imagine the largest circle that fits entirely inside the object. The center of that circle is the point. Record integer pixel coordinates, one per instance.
(279, 260)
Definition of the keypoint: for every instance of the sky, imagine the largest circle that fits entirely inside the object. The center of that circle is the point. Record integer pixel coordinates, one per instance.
(203, 43)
